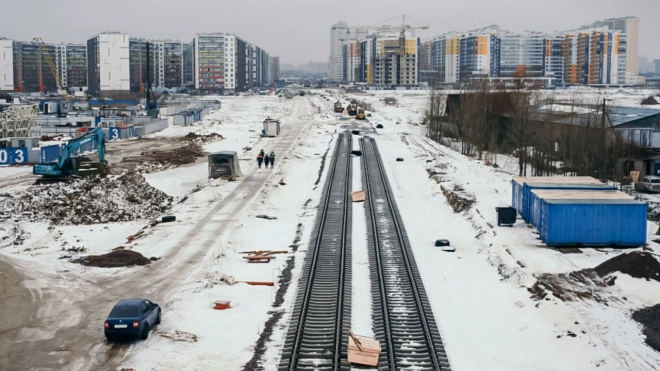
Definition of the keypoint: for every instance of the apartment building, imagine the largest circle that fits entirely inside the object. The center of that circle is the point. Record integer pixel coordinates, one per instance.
(32, 72)
(521, 55)
(108, 72)
(630, 27)
(6, 65)
(351, 62)
(393, 66)
(72, 64)
(188, 67)
(138, 64)
(273, 69)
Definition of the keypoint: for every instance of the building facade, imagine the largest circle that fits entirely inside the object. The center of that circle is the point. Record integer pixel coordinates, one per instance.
(273, 69)
(72, 65)
(138, 65)
(6, 65)
(188, 67)
(630, 27)
(32, 72)
(108, 72)
(209, 52)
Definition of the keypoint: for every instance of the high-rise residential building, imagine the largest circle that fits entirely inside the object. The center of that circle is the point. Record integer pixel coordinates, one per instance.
(452, 58)
(656, 62)
(108, 73)
(592, 57)
(426, 72)
(6, 65)
(367, 60)
(226, 63)
(479, 54)
(338, 32)
(188, 65)
(72, 65)
(138, 64)
(32, 72)
(351, 62)
(522, 55)
(629, 26)
(642, 63)
(209, 51)
(553, 61)
(170, 64)
(273, 69)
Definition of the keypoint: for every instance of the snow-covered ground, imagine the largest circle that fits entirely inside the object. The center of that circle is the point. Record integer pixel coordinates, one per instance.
(479, 293)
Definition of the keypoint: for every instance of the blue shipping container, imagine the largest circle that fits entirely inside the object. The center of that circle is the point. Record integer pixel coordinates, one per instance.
(517, 186)
(594, 222)
(530, 184)
(546, 194)
(531, 210)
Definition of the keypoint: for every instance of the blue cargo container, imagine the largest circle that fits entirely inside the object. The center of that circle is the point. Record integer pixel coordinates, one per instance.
(531, 205)
(518, 199)
(580, 194)
(593, 222)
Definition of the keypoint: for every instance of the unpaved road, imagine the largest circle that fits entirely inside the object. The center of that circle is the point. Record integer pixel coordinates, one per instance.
(55, 321)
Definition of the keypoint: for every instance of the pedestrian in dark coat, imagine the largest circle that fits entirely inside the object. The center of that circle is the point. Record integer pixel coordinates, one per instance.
(271, 157)
(266, 161)
(260, 159)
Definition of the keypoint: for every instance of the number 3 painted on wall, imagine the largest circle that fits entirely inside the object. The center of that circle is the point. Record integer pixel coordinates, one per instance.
(115, 134)
(19, 157)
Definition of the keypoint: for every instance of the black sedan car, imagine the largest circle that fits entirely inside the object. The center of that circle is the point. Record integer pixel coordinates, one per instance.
(132, 318)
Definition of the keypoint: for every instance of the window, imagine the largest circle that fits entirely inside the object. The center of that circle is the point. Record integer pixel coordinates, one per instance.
(123, 312)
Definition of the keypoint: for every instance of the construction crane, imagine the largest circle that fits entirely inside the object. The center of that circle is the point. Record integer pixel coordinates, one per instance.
(61, 90)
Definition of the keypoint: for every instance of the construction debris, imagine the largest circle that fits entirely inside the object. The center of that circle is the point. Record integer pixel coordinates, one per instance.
(114, 259)
(458, 199)
(89, 200)
(267, 217)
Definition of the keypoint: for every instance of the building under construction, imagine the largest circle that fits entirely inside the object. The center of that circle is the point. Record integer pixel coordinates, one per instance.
(32, 72)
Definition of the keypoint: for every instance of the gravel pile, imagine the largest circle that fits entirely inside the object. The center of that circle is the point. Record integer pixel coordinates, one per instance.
(89, 200)
(650, 319)
(119, 258)
(637, 264)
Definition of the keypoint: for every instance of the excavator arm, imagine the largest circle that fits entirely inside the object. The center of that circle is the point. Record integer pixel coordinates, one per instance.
(67, 164)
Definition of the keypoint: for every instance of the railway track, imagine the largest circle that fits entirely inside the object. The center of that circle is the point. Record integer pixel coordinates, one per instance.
(317, 338)
(403, 320)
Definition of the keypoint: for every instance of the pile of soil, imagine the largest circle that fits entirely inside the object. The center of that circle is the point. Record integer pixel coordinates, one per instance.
(203, 138)
(118, 258)
(159, 160)
(90, 200)
(637, 264)
(458, 200)
(650, 319)
(572, 286)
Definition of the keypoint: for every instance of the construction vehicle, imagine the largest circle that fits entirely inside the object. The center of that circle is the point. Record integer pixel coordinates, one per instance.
(352, 108)
(360, 114)
(68, 164)
(338, 107)
(151, 104)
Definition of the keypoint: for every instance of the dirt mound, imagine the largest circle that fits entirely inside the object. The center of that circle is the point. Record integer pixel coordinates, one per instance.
(118, 258)
(583, 284)
(650, 319)
(637, 264)
(159, 160)
(458, 199)
(89, 200)
(203, 138)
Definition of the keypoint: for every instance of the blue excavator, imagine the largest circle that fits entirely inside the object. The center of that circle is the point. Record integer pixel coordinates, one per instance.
(68, 164)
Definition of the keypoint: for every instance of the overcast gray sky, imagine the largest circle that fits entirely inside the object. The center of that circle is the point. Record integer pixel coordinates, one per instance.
(299, 30)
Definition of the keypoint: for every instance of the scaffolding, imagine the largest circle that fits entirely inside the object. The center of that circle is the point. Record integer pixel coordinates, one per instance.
(17, 120)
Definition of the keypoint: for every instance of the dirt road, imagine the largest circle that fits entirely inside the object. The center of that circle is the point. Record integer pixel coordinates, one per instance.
(55, 321)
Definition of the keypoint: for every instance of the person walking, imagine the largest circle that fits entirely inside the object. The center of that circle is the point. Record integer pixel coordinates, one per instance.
(266, 161)
(260, 158)
(271, 157)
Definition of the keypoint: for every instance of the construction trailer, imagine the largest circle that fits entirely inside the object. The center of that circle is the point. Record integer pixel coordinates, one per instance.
(271, 128)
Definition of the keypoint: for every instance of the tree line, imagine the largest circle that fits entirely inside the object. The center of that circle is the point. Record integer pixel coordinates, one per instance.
(482, 120)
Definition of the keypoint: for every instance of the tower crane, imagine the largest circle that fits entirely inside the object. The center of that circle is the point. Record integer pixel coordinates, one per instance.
(61, 90)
